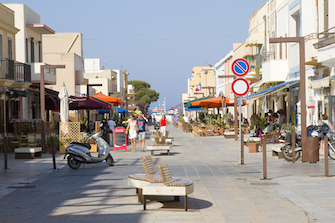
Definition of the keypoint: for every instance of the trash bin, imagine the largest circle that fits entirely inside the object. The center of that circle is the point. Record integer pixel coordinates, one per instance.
(312, 150)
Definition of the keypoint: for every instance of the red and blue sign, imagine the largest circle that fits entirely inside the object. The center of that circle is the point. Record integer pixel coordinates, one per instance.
(240, 67)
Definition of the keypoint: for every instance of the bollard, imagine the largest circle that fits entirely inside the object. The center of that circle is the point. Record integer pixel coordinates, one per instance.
(325, 153)
(53, 152)
(264, 160)
(293, 147)
(242, 148)
(5, 151)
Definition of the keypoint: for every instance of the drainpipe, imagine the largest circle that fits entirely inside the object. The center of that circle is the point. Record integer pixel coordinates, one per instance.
(317, 16)
(265, 40)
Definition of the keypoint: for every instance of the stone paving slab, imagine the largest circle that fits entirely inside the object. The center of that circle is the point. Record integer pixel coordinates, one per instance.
(223, 190)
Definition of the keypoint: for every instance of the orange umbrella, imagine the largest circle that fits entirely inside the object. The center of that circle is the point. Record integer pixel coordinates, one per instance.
(211, 102)
(108, 99)
(214, 102)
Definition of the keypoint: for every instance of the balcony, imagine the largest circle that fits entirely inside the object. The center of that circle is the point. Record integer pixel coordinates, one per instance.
(326, 47)
(22, 75)
(49, 74)
(14, 74)
(6, 72)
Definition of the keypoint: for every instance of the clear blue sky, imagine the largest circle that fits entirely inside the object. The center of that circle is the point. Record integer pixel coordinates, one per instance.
(157, 41)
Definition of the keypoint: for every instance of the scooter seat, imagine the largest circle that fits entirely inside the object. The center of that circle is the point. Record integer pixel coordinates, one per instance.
(87, 145)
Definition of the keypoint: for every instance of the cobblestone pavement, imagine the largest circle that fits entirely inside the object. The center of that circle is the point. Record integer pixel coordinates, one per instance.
(31, 191)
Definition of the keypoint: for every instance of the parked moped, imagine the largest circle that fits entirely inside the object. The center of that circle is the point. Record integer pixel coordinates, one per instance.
(78, 153)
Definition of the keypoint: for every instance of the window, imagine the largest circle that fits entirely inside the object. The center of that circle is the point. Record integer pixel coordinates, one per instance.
(27, 54)
(296, 18)
(40, 51)
(10, 48)
(32, 53)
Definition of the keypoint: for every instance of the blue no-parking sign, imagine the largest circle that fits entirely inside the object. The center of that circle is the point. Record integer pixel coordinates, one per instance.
(240, 67)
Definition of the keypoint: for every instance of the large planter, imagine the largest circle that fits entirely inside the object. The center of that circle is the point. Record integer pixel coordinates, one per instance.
(221, 131)
(94, 148)
(253, 147)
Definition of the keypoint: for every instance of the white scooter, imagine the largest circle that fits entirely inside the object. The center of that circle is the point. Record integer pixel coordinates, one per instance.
(79, 153)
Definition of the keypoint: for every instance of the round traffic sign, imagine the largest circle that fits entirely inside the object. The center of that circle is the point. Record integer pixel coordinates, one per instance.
(240, 67)
(240, 87)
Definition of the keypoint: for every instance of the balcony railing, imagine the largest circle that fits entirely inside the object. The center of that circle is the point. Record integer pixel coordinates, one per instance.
(6, 69)
(325, 38)
(262, 57)
(22, 73)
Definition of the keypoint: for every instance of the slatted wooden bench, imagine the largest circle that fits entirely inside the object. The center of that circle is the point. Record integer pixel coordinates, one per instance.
(229, 135)
(27, 152)
(140, 180)
(169, 187)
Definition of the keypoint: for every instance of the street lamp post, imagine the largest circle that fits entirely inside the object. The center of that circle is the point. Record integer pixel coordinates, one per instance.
(42, 95)
(301, 41)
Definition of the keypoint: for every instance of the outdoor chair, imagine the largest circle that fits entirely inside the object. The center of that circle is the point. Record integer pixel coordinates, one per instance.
(15, 142)
(31, 140)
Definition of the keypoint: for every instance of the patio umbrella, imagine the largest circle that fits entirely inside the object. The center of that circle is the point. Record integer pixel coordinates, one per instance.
(64, 104)
(210, 102)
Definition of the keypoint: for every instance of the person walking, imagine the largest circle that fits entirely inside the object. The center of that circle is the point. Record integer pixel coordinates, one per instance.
(164, 122)
(132, 127)
(325, 120)
(142, 125)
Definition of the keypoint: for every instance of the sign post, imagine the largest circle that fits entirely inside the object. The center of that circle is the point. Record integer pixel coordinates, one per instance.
(240, 88)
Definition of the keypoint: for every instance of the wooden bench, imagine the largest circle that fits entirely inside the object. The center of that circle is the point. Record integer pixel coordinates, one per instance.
(27, 152)
(229, 135)
(169, 187)
(158, 147)
(140, 180)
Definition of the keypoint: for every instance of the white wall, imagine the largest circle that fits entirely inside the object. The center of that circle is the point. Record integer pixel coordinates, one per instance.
(24, 15)
(91, 65)
(119, 79)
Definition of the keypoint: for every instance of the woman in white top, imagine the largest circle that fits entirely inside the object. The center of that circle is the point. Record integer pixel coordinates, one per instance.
(132, 126)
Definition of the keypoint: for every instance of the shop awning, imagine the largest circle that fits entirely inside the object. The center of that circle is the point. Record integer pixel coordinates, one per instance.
(270, 90)
(322, 83)
(193, 109)
(189, 103)
(121, 110)
(90, 104)
(108, 99)
(16, 94)
(255, 39)
(210, 102)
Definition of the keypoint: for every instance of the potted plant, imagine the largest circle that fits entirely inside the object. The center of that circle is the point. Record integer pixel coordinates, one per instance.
(55, 143)
(252, 145)
(94, 147)
(221, 131)
(182, 121)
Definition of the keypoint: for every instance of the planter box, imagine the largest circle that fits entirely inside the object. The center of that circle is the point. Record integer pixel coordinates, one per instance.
(62, 148)
(253, 147)
(94, 148)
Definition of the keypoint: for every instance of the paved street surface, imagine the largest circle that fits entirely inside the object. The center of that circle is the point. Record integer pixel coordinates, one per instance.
(31, 191)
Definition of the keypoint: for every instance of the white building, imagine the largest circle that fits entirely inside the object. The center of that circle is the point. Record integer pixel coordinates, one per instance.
(28, 48)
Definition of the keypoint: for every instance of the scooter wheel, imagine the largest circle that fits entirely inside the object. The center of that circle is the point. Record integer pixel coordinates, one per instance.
(73, 163)
(110, 160)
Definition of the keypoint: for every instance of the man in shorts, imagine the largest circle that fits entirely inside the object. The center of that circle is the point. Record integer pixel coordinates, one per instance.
(142, 126)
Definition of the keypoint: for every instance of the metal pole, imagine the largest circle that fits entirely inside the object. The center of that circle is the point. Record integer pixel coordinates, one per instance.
(87, 110)
(242, 148)
(235, 117)
(53, 152)
(42, 99)
(5, 129)
(240, 131)
(293, 147)
(325, 139)
(264, 161)
(303, 97)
